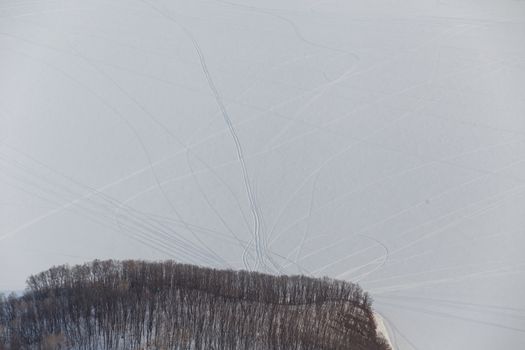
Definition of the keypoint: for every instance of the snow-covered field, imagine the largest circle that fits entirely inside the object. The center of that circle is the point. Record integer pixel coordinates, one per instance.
(378, 141)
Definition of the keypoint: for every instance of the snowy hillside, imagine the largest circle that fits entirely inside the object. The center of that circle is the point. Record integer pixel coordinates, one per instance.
(375, 141)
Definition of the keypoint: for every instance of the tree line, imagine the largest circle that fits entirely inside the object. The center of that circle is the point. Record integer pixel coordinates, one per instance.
(166, 305)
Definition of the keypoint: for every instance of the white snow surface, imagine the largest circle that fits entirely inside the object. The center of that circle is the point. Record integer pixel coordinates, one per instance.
(376, 141)
(382, 329)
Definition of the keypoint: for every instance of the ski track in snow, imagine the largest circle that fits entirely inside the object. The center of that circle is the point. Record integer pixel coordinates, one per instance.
(235, 137)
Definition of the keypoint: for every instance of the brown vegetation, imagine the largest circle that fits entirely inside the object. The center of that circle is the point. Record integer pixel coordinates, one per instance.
(143, 305)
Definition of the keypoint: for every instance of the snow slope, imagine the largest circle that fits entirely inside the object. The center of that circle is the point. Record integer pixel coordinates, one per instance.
(382, 329)
(377, 141)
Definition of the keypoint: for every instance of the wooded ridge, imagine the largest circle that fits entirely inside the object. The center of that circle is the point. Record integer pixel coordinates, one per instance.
(166, 305)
